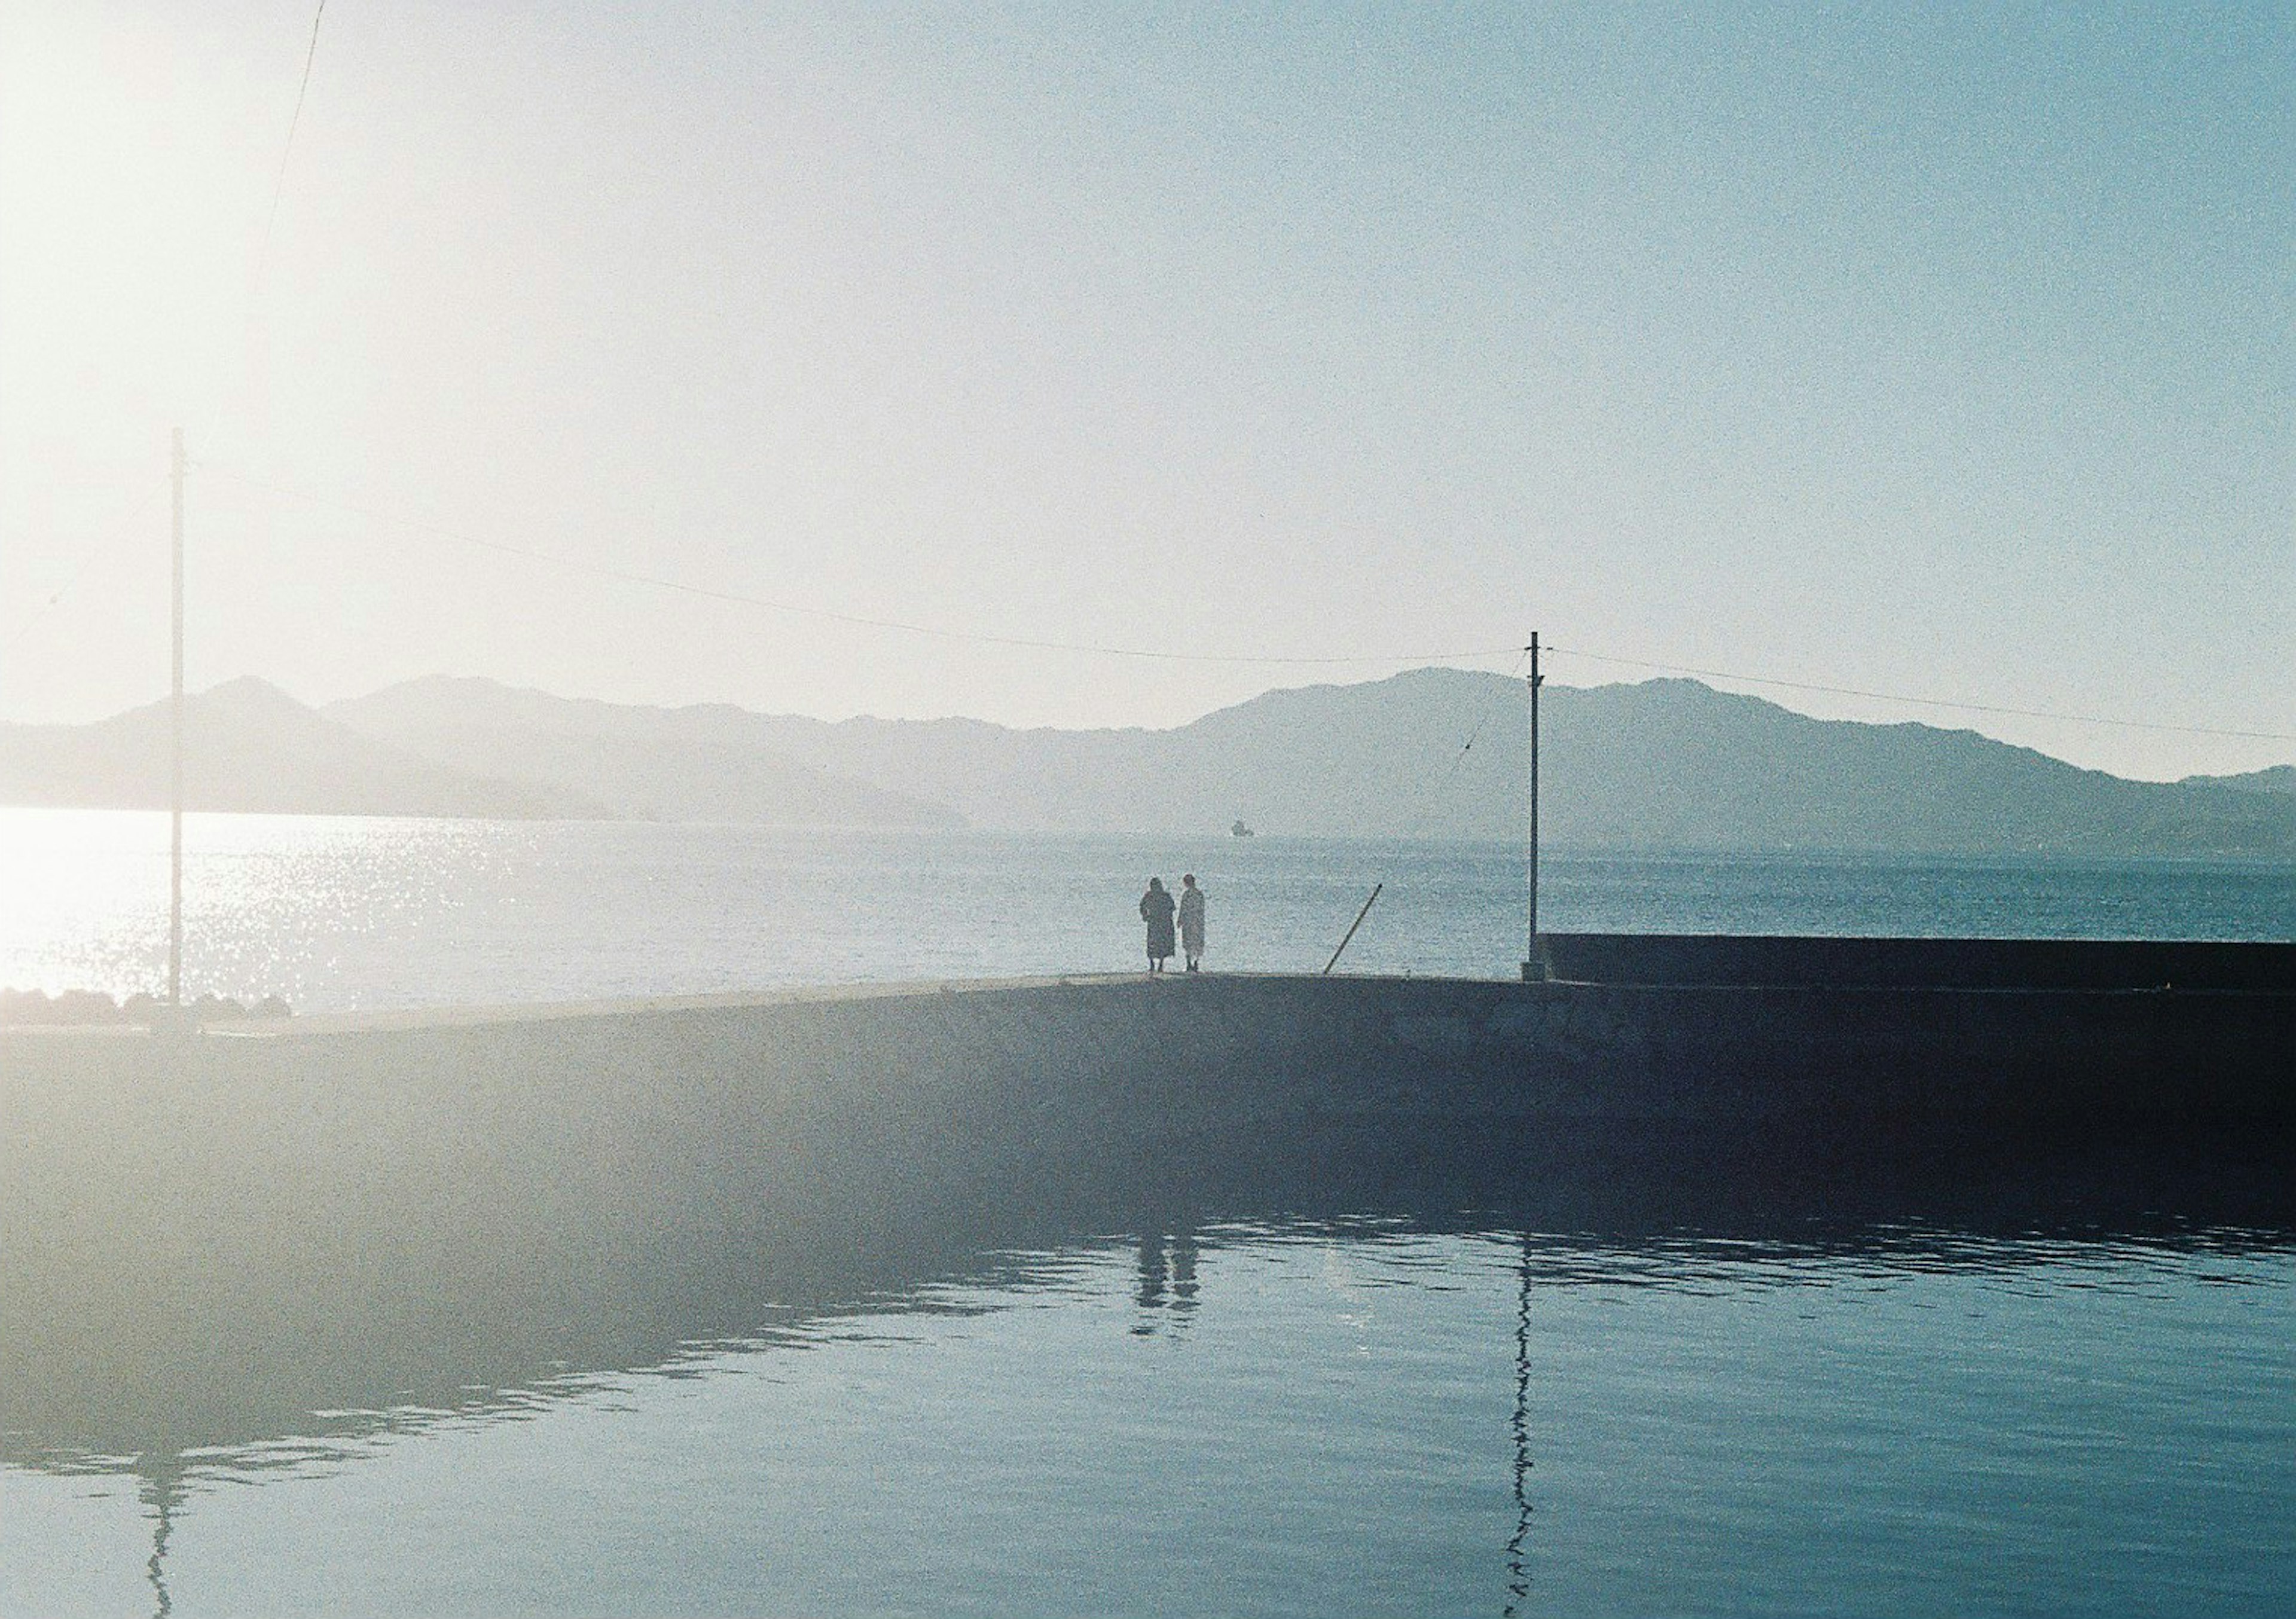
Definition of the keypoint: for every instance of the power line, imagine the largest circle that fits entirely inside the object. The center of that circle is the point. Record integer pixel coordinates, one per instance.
(216, 411)
(90, 560)
(1926, 702)
(1436, 789)
(802, 609)
(294, 120)
(1162, 654)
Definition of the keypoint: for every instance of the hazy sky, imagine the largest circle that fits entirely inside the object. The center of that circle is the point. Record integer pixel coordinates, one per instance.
(1945, 352)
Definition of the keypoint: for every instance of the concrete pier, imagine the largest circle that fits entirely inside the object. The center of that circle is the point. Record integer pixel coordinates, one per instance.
(203, 1233)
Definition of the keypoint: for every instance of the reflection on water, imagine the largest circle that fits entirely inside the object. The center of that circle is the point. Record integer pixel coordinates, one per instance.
(1168, 1280)
(2049, 1397)
(1519, 1430)
(161, 1492)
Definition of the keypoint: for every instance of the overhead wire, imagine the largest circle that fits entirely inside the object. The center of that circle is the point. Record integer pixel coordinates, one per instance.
(287, 147)
(944, 632)
(1034, 643)
(1168, 655)
(92, 561)
(804, 609)
(1438, 790)
(1436, 794)
(141, 504)
(256, 277)
(1923, 702)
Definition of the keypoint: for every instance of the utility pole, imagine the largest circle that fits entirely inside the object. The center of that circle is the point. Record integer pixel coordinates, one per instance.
(175, 778)
(1531, 968)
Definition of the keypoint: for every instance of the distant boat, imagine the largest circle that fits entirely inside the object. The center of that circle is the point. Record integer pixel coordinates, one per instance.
(1239, 831)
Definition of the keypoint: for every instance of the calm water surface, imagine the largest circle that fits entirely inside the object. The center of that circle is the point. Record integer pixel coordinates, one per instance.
(1246, 1419)
(336, 914)
(2038, 1405)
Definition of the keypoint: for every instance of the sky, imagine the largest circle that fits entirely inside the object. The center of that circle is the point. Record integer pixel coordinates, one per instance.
(644, 351)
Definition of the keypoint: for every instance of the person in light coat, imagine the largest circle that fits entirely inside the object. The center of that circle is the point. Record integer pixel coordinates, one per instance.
(1192, 921)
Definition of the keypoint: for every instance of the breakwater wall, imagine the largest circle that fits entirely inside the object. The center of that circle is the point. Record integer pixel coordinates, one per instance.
(366, 1208)
(1770, 960)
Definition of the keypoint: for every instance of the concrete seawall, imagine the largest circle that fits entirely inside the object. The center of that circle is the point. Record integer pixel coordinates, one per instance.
(1916, 964)
(362, 1206)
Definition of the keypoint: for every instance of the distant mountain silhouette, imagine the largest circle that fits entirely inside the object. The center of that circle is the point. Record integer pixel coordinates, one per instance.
(249, 746)
(2275, 778)
(1667, 763)
(708, 762)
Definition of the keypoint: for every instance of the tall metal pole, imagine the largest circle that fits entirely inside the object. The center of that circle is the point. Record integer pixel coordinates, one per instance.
(176, 775)
(1530, 967)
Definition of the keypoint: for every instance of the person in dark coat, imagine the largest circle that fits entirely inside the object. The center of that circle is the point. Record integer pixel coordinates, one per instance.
(1156, 910)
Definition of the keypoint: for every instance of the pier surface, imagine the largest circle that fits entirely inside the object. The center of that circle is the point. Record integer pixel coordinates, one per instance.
(467, 1192)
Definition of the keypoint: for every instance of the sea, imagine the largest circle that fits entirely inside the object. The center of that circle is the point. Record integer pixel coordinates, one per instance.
(2066, 1398)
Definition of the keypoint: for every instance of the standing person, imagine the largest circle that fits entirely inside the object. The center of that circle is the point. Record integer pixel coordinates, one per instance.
(1191, 921)
(1156, 911)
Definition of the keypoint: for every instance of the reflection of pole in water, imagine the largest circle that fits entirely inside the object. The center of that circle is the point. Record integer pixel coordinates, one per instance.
(161, 1491)
(1518, 1565)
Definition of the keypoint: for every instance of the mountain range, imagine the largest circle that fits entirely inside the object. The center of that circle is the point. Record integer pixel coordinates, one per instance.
(249, 745)
(1434, 753)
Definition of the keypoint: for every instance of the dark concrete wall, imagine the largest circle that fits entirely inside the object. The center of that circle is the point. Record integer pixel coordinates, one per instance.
(1742, 959)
